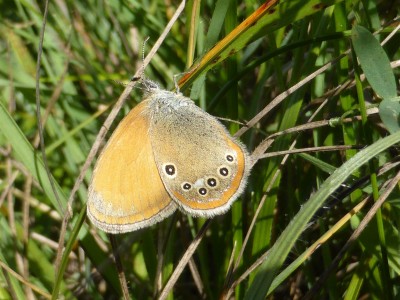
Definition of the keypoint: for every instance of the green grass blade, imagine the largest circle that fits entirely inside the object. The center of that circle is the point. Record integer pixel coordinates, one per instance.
(374, 62)
(289, 236)
(25, 153)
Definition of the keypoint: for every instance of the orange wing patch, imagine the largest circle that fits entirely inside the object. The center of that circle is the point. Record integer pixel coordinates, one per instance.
(126, 192)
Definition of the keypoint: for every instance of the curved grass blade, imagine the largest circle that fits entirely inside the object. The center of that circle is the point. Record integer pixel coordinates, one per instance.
(282, 247)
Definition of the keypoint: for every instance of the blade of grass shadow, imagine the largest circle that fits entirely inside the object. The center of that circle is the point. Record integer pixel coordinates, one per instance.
(278, 253)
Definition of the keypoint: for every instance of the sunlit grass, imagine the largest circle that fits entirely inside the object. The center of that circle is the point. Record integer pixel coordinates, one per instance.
(90, 46)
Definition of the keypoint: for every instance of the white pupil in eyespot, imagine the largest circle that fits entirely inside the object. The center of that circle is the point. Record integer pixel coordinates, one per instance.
(202, 191)
(187, 186)
(212, 182)
(223, 171)
(170, 169)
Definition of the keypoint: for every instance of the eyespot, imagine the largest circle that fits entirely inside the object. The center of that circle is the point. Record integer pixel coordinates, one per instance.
(229, 158)
(202, 191)
(169, 170)
(212, 182)
(186, 186)
(224, 171)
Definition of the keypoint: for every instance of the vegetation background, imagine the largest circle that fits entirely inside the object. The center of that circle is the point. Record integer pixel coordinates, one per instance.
(292, 62)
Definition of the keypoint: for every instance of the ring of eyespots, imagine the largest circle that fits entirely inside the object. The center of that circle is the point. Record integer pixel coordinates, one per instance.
(212, 182)
(170, 170)
(186, 186)
(202, 191)
(224, 171)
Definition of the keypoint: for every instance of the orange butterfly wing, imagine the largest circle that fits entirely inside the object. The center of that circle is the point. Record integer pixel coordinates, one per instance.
(126, 192)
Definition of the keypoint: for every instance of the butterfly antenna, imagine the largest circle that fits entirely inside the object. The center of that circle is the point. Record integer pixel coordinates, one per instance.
(141, 77)
(122, 83)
